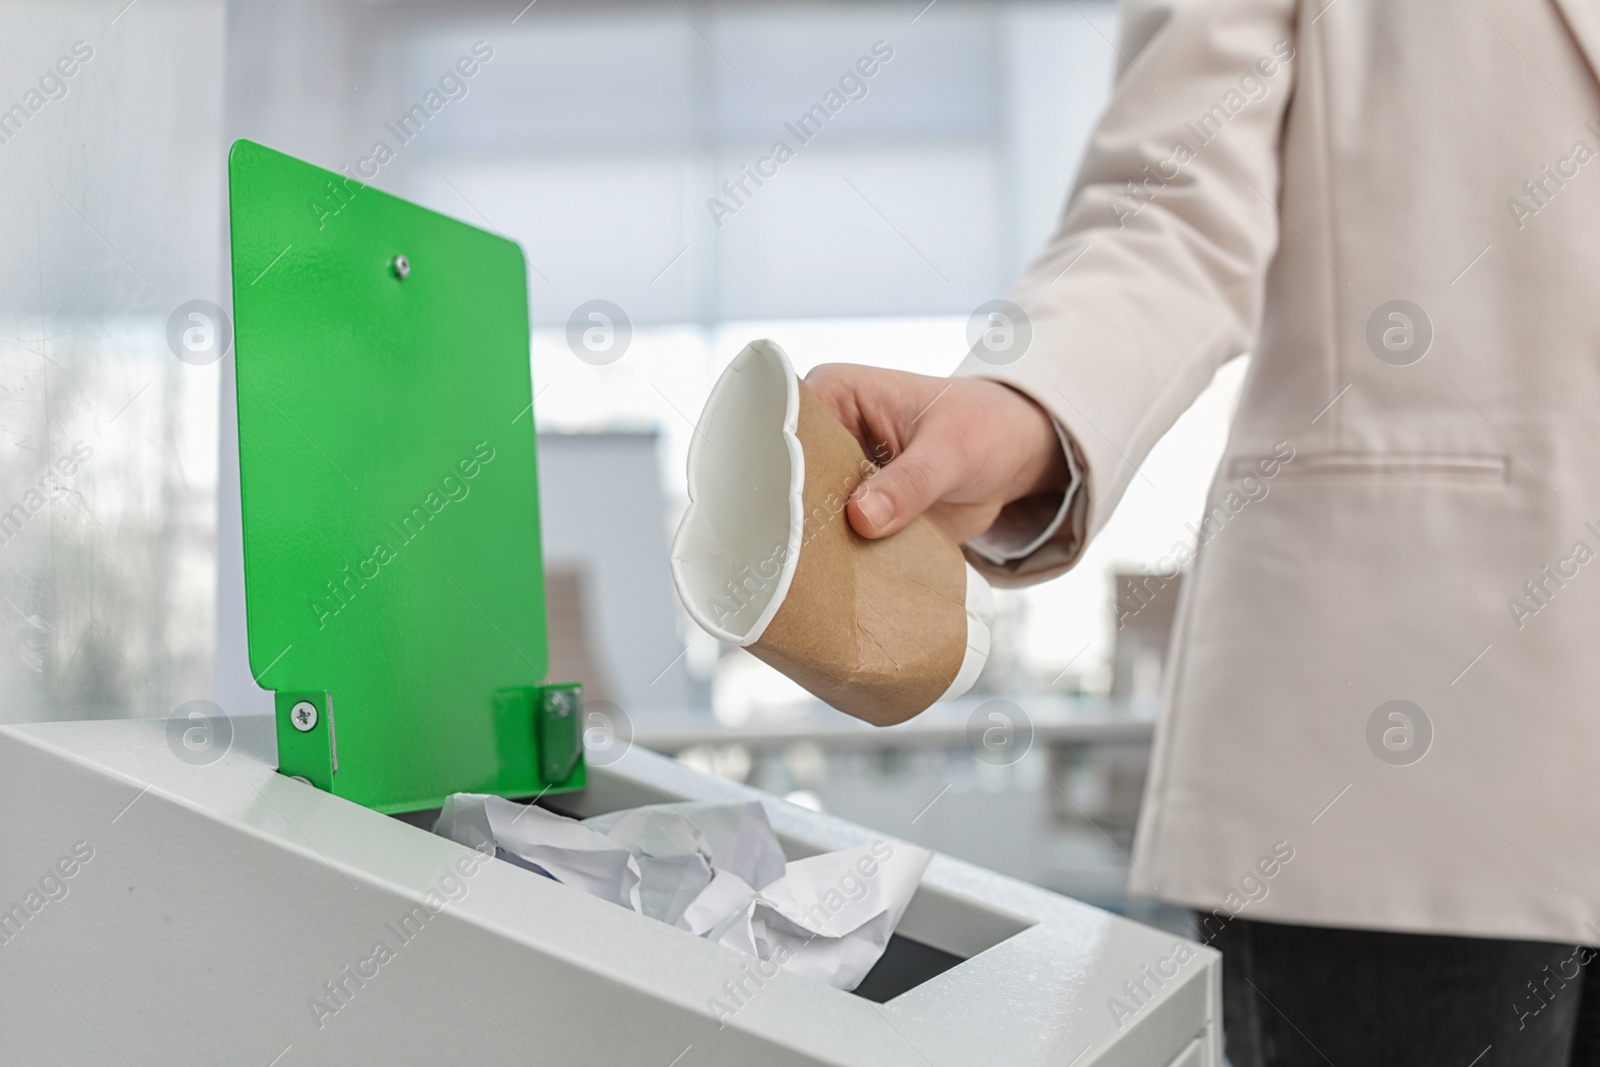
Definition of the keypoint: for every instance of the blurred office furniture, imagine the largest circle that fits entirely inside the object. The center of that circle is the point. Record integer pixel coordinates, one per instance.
(1108, 780)
(1146, 607)
(574, 648)
(612, 608)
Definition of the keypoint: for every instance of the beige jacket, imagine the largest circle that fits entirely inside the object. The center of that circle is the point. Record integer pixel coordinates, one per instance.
(1409, 508)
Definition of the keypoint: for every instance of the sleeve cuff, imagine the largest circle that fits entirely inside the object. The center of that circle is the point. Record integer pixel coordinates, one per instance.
(1025, 526)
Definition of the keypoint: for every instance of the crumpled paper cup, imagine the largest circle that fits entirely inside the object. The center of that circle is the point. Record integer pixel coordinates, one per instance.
(766, 559)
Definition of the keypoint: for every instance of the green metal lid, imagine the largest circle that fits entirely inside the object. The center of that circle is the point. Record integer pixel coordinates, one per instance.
(393, 576)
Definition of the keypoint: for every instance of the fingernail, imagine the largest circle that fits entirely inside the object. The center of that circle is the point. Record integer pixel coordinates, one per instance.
(875, 508)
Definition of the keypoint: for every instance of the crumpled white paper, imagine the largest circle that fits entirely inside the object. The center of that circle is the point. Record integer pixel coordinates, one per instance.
(715, 870)
(680, 847)
(553, 845)
(832, 913)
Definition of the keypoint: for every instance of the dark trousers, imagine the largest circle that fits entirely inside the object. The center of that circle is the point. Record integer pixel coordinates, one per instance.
(1306, 996)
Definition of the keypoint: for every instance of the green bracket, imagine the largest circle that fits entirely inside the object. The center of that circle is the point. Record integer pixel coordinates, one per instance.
(552, 717)
(306, 746)
(560, 732)
(388, 471)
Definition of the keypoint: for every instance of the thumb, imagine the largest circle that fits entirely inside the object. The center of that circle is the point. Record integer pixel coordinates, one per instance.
(891, 499)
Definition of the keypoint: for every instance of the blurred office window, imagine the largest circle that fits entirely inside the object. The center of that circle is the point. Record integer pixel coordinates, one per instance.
(596, 134)
(111, 159)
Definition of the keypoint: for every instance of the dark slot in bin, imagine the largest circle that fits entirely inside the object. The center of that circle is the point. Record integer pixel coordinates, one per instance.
(904, 965)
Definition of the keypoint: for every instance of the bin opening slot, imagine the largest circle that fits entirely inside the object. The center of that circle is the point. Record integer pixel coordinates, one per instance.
(908, 961)
(904, 965)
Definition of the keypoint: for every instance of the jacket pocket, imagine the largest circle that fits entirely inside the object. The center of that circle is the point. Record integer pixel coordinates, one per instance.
(1433, 465)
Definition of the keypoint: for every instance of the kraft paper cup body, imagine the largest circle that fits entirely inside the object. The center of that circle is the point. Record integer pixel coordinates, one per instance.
(766, 559)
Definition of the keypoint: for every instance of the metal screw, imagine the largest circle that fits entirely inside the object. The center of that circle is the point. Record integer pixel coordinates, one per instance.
(401, 267)
(303, 716)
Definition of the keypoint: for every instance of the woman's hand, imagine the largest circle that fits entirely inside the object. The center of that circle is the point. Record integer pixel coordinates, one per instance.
(959, 449)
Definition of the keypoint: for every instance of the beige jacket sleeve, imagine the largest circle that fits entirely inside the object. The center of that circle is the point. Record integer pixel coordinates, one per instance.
(1156, 275)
